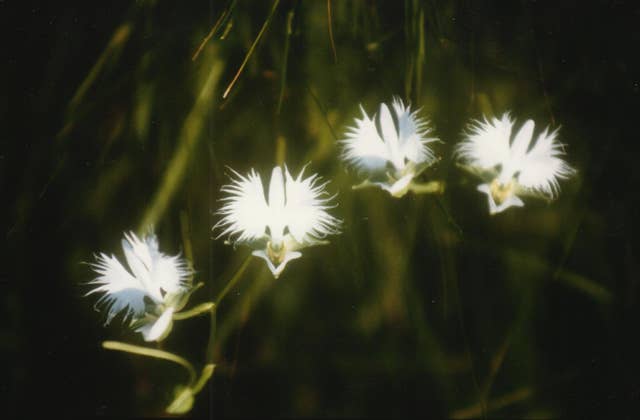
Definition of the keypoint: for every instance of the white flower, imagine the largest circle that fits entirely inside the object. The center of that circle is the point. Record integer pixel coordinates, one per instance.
(391, 148)
(155, 287)
(292, 217)
(513, 168)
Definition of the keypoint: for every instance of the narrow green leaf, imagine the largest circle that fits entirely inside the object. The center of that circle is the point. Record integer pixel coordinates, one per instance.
(158, 354)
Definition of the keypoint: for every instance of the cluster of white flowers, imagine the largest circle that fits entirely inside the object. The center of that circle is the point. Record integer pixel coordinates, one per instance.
(292, 216)
(391, 149)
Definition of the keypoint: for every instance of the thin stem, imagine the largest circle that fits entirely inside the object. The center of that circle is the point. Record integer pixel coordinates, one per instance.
(253, 47)
(213, 327)
(195, 311)
(223, 18)
(420, 56)
(216, 303)
(477, 410)
(450, 219)
(432, 187)
(333, 44)
(241, 310)
(496, 364)
(186, 237)
(114, 47)
(208, 37)
(206, 373)
(232, 282)
(468, 354)
(158, 354)
(323, 111)
(364, 184)
(285, 59)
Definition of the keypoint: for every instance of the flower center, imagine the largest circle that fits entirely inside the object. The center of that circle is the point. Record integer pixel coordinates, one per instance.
(276, 251)
(500, 191)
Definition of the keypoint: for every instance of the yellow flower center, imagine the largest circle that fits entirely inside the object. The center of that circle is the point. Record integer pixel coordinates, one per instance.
(276, 252)
(500, 192)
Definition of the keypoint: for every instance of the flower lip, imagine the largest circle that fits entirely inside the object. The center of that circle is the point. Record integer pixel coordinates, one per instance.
(496, 207)
(397, 188)
(500, 191)
(158, 329)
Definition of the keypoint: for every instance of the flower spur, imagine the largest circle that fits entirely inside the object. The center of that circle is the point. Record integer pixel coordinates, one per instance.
(294, 215)
(155, 288)
(516, 168)
(391, 149)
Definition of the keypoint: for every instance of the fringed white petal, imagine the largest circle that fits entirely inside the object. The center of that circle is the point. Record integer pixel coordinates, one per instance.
(306, 214)
(171, 273)
(541, 168)
(487, 142)
(363, 147)
(297, 204)
(152, 276)
(296, 216)
(399, 136)
(138, 256)
(158, 272)
(122, 291)
(413, 133)
(245, 212)
(389, 134)
(521, 141)
(533, 166)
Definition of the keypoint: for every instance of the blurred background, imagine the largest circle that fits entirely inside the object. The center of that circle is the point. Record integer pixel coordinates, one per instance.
(125, 113)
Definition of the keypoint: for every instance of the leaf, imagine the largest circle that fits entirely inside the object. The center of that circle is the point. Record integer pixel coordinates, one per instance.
(183, 401)
(207, 371)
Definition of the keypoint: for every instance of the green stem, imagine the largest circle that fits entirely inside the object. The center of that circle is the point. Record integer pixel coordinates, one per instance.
(224, 17)
(212, 335)
(433, 187)
(158, 354)
(183, 401)
(285, 60)
(323, 111)
(333, 44)
(216, 303)
(450, 219)
(195, 311)
(207, 371)
(233, 281)
(364, 184)
(253, 47)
